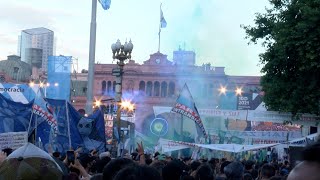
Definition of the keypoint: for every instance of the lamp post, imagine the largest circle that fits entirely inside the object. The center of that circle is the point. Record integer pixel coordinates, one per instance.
(120, 53)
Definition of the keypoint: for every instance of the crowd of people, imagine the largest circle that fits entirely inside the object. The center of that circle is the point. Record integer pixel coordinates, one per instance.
(141, 166)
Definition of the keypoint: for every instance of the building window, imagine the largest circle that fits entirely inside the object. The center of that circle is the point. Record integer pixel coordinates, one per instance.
(171, 89)
(130, 86)
(109, 87)
(164, 86)
(156, 89)
(114, 87)
(142, 87)
(104, 85)
(149, 88)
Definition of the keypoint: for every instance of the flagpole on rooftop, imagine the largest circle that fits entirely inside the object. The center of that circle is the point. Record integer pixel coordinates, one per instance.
(92, 49)
(159, 30)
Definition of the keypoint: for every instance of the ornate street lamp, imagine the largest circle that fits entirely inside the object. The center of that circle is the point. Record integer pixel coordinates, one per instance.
(120, 53)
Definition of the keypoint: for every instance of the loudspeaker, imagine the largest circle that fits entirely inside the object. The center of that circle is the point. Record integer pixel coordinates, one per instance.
(295, 155)
(313, 129)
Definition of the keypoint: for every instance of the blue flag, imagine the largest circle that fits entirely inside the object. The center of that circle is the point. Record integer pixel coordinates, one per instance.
(185, 106)
(105, 4)
(14, 117)
(92, 131)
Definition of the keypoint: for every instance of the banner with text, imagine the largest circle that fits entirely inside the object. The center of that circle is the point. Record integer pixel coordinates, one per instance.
(13, 140)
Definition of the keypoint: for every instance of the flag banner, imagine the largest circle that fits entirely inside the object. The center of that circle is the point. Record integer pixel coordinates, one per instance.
(14, 116)
(185, 106)
(163, 22)
(49, 121)
(92, 131)
(18, 92)
(105, 4)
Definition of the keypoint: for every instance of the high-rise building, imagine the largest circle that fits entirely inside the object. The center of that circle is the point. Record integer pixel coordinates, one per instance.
(35, 45)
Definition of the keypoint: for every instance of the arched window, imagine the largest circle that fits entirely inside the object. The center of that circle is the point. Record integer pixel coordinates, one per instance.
(149, 88)
(156, 89)
(171, 89)
(164, 86)
(114, 87)
(130, 86)
(142, 87)
(109, 87)
(104, 85)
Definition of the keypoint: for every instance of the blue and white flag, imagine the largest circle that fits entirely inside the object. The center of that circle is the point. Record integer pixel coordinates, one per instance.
(105, 4)
(14, 116)
(18, 92)
(163, 22)
(185, 106)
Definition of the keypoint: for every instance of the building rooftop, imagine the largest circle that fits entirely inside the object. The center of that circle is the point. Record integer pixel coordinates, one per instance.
(40, 30)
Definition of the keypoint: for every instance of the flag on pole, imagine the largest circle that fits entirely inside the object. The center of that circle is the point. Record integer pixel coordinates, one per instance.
(105, 4)
(185, 105)
(163, 22)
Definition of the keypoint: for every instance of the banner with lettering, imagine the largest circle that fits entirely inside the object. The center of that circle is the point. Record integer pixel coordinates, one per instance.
(22, 93)
(169, 145)
(13, 140)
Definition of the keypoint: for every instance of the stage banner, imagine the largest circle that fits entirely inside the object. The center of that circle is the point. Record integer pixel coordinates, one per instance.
(250, 101)
(13, 140)
(14, 116)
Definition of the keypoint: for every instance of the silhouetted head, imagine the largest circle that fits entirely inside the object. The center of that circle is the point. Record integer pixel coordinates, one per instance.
(138, 172)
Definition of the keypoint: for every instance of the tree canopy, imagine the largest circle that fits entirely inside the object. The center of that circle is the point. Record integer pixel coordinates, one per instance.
(290, 32)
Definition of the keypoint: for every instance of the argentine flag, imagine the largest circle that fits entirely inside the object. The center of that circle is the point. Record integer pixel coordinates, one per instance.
(163, 22)
(105, 4)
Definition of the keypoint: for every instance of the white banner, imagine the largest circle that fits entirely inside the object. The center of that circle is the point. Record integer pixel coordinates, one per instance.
(169, 145)
(261, 135)
(231, 114)
(13, 140)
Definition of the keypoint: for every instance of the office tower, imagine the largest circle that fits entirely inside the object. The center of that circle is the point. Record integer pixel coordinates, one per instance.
(35, 45)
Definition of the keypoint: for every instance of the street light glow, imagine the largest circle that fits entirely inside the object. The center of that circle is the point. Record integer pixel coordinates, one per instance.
(31, 84)
(223, 90)
(98, 103)
(56, 84)
(126, 104)
(48, 84)
(238, 91)
(41, 84)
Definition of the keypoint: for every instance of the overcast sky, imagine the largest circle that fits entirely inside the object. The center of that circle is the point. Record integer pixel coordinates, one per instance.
(209, 27)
